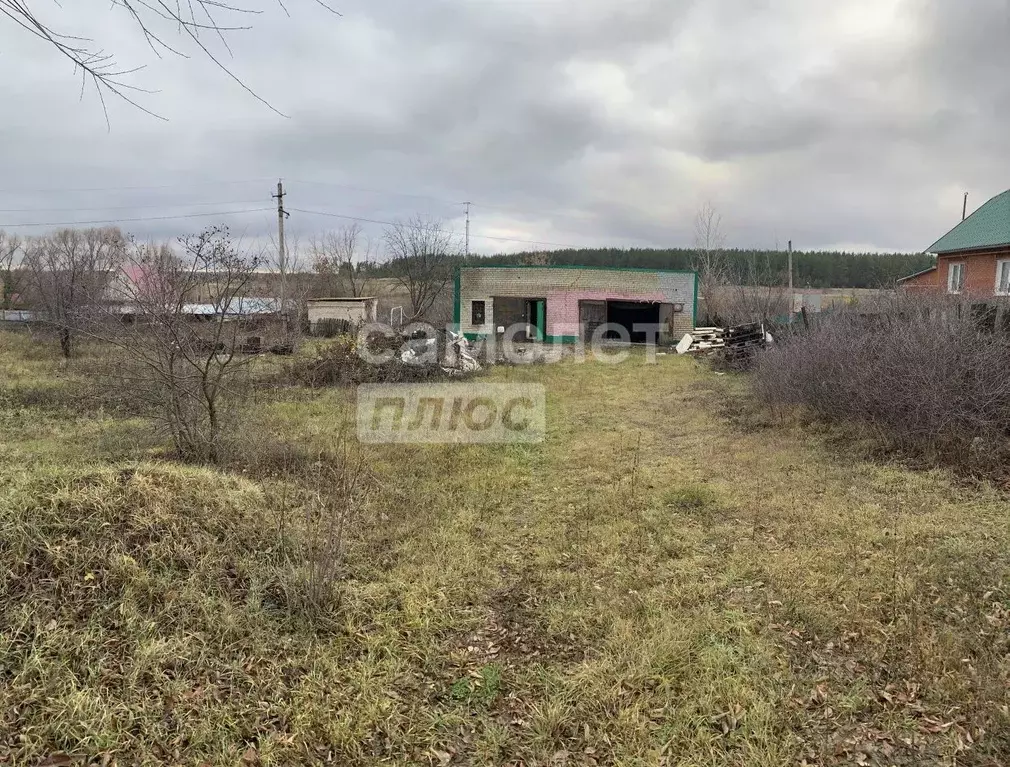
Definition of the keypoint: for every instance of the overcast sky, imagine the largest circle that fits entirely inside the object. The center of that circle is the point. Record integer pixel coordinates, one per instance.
(841, 123)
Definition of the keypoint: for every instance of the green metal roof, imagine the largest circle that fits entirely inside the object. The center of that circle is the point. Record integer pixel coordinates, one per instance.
(987, 227)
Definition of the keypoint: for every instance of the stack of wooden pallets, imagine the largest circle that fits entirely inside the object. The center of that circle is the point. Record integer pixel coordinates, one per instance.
(702, 340)
(734, 343)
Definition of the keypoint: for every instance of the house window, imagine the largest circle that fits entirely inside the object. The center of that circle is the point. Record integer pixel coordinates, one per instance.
(476, 312)
(955, 278)
(1003, 277)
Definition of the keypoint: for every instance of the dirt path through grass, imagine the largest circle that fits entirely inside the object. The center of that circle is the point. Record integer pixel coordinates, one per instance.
(708, 595)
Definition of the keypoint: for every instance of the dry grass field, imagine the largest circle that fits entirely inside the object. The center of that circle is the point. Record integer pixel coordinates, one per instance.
(669, 579)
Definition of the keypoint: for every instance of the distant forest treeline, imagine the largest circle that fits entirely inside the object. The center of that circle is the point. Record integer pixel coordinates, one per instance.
(814, 269)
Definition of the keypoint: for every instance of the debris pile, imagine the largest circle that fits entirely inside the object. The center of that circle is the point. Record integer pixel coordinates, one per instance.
(735, 345)
(702, 340)
(349, 361)
(456, 359)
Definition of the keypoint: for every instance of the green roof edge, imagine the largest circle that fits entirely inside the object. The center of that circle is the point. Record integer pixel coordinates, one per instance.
(964, 241)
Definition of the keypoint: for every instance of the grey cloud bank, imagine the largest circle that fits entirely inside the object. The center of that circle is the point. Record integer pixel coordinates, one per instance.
(856, 123)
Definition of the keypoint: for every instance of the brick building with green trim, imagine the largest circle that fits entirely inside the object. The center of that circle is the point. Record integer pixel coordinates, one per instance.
(973, 258)
(563, 304)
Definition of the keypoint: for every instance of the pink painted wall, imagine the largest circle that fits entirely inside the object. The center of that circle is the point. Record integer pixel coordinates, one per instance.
(563, 307)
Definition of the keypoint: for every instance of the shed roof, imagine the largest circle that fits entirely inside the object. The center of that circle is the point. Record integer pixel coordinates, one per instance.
(917, 274)
(348, 299)
(599, 268)
(241, 306)
(987, 227)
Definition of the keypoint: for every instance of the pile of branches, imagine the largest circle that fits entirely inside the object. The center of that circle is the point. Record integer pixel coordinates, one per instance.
(343, 362)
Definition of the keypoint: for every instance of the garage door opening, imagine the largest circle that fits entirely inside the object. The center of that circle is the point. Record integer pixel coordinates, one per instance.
(530, 312)
(628, 314)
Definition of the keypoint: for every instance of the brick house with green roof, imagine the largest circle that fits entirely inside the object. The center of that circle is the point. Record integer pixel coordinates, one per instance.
(972, 258)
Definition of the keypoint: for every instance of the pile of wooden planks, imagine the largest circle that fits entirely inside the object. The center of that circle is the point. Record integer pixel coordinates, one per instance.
(702, 340)
(743, 341)
(734, 343)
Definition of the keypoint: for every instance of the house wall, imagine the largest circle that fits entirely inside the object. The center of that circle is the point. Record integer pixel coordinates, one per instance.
(980, 276)
(928, 281)
(564, 287)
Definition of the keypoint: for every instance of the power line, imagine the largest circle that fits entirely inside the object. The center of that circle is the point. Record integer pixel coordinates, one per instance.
(131, 188)
(132, 220)
(444, 231)
(128, 207)
(376, 191)
(241, 202)
(370, 190)
(442, 200)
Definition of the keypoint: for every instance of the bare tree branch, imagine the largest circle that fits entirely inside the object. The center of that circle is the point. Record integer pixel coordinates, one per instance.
(100, 68)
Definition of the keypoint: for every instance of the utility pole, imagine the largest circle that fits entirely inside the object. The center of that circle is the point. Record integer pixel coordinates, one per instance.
(281, 254)
(964, 208)
(467, 246)
(791, 300)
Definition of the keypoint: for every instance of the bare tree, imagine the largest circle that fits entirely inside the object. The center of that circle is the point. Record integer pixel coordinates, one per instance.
(186, 367)
(196, 23)
(709, 260)
(759, 297)
(11, 252)
(67, 274)
(422, 254)
(344, 257)
(539, 258)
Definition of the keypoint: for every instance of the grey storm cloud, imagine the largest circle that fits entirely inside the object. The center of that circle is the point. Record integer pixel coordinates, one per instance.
(857, 123)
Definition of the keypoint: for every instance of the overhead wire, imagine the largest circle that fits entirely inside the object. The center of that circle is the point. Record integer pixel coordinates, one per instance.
(335, 185)
(495, 238)
(20, 191)
(131, 220)
(444, 231)
(129, 207)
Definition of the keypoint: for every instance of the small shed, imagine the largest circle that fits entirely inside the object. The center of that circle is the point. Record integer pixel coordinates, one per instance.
(355, 310)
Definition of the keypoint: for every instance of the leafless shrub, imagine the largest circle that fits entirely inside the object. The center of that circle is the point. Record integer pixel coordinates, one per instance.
(755, 302)
(928, 374)
(319, 496)
(759, 296)
(186, 368)
(338, 490)
(733, 296)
